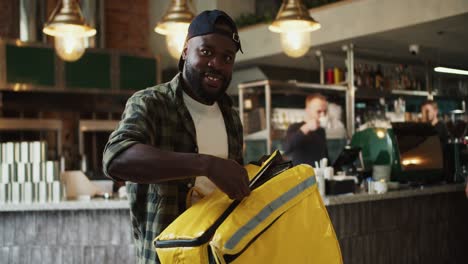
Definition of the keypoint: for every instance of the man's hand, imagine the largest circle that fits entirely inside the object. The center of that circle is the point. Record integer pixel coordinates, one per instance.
(310, 126)
(230, 177)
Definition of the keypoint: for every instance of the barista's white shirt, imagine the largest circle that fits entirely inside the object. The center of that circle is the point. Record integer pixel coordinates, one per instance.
(211, 136)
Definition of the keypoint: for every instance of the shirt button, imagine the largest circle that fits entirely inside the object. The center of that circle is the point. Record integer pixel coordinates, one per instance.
(189, 185)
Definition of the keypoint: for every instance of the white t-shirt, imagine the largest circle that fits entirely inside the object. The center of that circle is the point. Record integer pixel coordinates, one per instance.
(211, 137)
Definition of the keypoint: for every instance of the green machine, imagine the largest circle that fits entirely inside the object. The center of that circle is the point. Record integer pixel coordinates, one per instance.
(413, 151)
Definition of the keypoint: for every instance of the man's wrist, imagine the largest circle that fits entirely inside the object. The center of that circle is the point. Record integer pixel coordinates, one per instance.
(206, 163)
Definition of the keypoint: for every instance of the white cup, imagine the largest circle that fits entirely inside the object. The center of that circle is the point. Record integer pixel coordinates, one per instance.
(381, 172)
(27, 192)
(380, 187)
(42, 197)
(323, 120)
(6, 173)
(4, 193)
(328, 173)
(15, 192)
(56, 191)
(320, 181)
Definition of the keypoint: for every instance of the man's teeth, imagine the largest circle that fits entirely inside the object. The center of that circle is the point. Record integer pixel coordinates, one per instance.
(212, 78)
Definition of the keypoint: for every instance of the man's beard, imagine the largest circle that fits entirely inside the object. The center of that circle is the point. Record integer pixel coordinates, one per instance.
(195, 79)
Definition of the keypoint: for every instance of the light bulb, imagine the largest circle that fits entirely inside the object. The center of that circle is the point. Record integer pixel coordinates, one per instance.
(295, 43)
(175, 37)
(380, 133)
(295, 37)
(69, 47)
(175, 43)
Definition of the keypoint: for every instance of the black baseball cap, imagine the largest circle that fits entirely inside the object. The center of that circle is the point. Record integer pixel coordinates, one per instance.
(205, 23)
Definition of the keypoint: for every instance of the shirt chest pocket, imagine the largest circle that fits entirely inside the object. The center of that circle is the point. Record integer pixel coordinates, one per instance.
(173, 135)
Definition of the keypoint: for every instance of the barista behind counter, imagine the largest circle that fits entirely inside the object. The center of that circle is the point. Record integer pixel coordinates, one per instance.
(306, 141)
(430, 112)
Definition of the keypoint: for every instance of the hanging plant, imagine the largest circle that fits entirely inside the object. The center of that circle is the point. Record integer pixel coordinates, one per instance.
(267, 17)
(251, 19)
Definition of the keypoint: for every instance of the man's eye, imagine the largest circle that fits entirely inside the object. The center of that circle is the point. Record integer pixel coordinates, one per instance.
(229, 59)
(206, 52)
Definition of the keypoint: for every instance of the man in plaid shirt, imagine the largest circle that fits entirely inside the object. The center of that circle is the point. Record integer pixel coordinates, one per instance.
(174, 132)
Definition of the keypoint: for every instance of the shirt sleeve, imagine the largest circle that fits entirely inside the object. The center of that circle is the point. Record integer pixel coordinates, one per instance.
(441, 129)
(293, 137)
(137, 125)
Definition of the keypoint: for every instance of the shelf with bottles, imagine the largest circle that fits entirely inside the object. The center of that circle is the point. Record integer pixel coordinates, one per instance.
(386, 110)
(388, 77)
(405, 109)
(375, 79)
(381, 80)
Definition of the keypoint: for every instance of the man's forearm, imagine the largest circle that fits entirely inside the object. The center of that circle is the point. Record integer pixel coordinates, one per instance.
(145, 164)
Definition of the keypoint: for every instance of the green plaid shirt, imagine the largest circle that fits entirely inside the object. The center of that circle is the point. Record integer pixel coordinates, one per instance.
(157, 116)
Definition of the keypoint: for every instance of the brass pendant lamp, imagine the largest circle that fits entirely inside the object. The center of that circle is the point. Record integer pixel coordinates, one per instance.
(69, 29)
(174, 25)
(294, 23)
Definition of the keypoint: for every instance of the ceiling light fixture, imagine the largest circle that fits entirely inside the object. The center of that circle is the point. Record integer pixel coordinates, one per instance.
(69, 29)
(174, 25)
(294, 24)
(450, 70)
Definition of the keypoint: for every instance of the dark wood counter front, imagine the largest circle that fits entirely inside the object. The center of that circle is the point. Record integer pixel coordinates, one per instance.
(412, 226)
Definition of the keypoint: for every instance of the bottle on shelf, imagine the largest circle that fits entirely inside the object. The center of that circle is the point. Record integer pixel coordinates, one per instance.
(406, 83)
(366, 76)
(379, 79)
(336, 75)
(358, 75)
(372, 77)
(330, 78)
(386, 78)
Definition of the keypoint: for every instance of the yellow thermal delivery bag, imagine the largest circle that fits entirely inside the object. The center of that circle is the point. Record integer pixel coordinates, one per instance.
(283, 220)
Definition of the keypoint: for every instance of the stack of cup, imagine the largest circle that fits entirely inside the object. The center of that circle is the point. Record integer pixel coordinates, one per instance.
(26, 176)
(323, 172)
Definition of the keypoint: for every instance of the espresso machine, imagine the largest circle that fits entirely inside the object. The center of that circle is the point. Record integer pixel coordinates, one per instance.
(413, 151)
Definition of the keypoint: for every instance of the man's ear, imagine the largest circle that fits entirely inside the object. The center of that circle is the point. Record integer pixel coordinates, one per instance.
(184, 51)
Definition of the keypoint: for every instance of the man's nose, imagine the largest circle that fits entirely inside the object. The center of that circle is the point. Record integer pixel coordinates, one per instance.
(215, 62)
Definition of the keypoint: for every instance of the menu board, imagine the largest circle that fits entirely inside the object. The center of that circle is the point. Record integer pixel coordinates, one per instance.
(92, 71)
(30, 65)
(137, 72)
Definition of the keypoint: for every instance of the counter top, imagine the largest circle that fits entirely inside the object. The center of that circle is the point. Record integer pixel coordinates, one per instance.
(393, 194)
(97, 204)
(101, 204)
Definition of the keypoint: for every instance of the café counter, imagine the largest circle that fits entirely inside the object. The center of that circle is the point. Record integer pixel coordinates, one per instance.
(422, 225)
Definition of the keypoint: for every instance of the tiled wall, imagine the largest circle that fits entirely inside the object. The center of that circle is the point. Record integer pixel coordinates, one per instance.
(62, 237)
